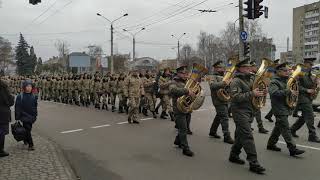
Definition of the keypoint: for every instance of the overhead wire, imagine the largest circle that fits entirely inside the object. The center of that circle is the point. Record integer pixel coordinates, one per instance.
(57, 11)
(170, 14)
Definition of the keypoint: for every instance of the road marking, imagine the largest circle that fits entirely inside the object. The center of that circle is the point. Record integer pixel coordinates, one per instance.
(71, 131)
(106, 125)
(126, 122)
(308, 147)
(146, 119)
(199, 110)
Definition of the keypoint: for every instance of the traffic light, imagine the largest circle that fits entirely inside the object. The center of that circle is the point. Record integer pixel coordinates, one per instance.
(34, 2)
(258, 9)
(246, 50)
(249, 9)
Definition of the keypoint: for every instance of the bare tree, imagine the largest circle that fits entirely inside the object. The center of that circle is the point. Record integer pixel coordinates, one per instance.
(62, 47)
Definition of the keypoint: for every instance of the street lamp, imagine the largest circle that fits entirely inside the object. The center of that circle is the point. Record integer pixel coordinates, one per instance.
(134, 41)
(178, 38)
(112, 22)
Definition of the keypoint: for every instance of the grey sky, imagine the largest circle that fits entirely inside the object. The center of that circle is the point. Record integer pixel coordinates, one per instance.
(78, 24)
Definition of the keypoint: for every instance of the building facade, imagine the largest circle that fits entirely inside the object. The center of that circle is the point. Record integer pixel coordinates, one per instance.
(306, 32)
(79, 62)
(144, 63)
(286, 57)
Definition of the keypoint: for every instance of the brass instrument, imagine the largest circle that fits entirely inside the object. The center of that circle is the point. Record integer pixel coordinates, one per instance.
(315, 76)
(293, 85)
(187, 104)
(260, 82)
(223, 93)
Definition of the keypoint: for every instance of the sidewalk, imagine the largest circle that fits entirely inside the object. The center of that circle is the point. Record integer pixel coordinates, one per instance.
(45, 163)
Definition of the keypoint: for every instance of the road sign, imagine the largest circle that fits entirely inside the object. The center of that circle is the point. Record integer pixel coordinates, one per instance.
(244, 35)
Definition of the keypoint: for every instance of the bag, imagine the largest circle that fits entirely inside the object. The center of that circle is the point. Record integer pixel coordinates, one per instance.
(18, 131)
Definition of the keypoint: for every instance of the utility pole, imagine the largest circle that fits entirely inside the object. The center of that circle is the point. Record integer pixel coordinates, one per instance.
(178, 38)
(112, 29)
(241, 28)
(111, 55)
(134, 49)
(134, 41)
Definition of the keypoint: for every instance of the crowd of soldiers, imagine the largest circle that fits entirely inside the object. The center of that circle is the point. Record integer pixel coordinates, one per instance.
(136, 89)
(138, 92)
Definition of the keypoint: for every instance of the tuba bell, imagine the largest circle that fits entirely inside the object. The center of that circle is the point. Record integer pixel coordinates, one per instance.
(187, 104)
(260, 82)
(293, 85)
(223, 93)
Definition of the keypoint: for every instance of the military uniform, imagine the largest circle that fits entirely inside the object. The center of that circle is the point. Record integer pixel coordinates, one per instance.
(165, 98)
(278, 93)
(221, 107)
(243, 112)
(176, 90)
(105, 92)
(121, 96)
(148, 84)
(134, 90)
(113, 91)
(305, 105)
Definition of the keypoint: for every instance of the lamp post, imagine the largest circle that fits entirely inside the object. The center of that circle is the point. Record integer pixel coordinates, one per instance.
(178, 38)
(111, 22)
(134, 41)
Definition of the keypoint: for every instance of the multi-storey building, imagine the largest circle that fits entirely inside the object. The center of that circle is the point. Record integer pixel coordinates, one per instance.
(306, 32)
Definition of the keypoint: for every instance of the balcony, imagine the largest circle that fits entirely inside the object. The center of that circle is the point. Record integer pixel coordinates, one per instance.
(311, 43)
(311, 15)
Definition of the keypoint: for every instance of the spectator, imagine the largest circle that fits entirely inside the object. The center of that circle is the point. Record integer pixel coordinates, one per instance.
(6, 101)
(26, 110)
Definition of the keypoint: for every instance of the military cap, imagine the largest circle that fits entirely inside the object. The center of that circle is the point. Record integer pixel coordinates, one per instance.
(182, 68)
(253, 63)
(218, 64)
(276, 61)
(281, 66)
(244, 63)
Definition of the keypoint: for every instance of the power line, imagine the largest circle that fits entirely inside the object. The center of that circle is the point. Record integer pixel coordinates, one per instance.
(57, 11)
(180, 12)
(35, 19)
(153, 15)
(161, 18)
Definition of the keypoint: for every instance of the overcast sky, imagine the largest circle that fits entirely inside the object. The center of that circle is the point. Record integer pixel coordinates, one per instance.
(76, 22)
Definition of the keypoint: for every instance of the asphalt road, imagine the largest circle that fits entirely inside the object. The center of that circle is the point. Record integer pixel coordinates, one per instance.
(100, 145)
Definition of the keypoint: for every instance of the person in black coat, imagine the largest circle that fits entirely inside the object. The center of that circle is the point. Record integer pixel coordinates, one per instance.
(26, 110)
(6, 101)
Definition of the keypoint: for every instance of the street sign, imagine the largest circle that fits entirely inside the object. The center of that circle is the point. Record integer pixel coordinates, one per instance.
(244, 36)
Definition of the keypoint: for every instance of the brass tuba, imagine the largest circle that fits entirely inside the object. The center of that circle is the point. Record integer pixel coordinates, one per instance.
(293, 85)
(187, 104)
(260, 82)
(315, 77)
(223, 93)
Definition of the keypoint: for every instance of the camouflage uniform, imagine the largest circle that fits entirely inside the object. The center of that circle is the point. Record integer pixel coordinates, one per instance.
(121, 96)
(97, 92)
(113, 91)
(166, 101)
(105, 92)
(133, 90)
(148, 83)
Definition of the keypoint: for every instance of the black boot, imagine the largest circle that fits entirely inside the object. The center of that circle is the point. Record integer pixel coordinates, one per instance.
(296, 152)
(269, 119)
(113, 109)
(228, 139)
(263, 131)
(120, 109)
(314, 139)
(3, 154)
(319, 125)
(187, 152)
(163, 115)
(171, 116)
(145, 112)
(189, 132)
(236, 160)
(154, 115)
(214, 135)
(103, 107)
(257, 168)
